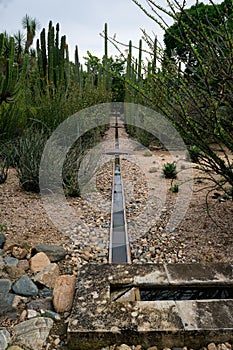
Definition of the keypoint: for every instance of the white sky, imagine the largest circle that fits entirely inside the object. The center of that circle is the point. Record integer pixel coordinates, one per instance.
(82, 21)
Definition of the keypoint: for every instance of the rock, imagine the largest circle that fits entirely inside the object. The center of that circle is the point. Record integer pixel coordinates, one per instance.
(11, 261)
(53, 252)
(63, 293)
(123, 347)
(25, 286)
(1, 262)
(222, 347)
(2, 240)
(153, 348)
(4, 338)
(41, 304)
(5, 285)
(212, 346)
(32, 313)
(14, 272)
(33, 333)
(7, 306)
(14, 347)
(19, 252)
(48, 275)
(51, 314)
(39, 261)
(18, 300)
(23, 265)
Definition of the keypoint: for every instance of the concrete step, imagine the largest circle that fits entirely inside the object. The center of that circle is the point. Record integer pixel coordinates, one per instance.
(107, 308)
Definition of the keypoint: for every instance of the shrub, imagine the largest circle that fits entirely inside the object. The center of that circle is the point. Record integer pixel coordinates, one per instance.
(28, 151)
(194, 153)
(174, 188)
(169, 170)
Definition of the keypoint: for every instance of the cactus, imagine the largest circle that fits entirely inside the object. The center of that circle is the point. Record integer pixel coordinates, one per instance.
(10, 73)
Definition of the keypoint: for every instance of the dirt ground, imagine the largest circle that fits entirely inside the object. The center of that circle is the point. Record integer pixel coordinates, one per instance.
(207, 235)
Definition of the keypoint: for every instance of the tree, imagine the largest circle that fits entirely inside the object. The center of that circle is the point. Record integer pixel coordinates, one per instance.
(199, 104)
(31, 25)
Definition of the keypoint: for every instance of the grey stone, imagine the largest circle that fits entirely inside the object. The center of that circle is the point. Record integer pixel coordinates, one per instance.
(2, 240)
(4, 338)
(14, 272)
(41, 304)
(34, 332)
(25, 286)
(11, 261)
(6, 308)
(55, 253)
(1, 261)
(5, 285)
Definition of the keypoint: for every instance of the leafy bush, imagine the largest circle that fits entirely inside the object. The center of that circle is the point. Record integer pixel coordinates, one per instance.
(194, 153)
(174, 188)
(169, 170)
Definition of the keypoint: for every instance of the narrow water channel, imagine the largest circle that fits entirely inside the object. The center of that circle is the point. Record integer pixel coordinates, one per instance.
(119, 246)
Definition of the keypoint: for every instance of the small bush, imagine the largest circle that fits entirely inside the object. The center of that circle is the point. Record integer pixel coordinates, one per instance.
(4, 163)
(169, 170)
(174, 188)
(194, 153)
(28, 151)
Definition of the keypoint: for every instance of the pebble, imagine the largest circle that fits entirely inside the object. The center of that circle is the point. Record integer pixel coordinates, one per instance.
(25, 286)
(2, 240)
(10, 261)
(48, 275)
(53, 252)
(4, 338)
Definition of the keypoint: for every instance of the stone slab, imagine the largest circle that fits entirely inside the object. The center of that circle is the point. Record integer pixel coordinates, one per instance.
(106, 310)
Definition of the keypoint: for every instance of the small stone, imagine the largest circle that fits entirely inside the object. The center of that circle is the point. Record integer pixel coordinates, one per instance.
(41, 304)
(212, 346)
(2, 240)
(18, 299)
(57, 341)
(25, 286)
(53, 252)
(63, 293)
(153, 348)
(48, 275)
(54, 315)
(4, 338)
(5, 285)
(14, 272)
(23, 316)
(39, 261)
(123, 347)
(222, 347)
(19, 252)
(33, 333)
(14, 347)
(11, 261)
(31, 313)
(228, 345)
(23, 265)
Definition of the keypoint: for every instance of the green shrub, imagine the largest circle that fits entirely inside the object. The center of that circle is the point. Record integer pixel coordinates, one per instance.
(28, 151)
(194, 153)
(4, 163)
(169, 170)
(174, 188)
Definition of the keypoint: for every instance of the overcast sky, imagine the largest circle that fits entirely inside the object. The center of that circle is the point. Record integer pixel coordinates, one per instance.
(82, 21)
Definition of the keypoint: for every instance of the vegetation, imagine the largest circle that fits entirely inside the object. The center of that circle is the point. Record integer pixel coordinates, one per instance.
(169, 170)
(191, 80)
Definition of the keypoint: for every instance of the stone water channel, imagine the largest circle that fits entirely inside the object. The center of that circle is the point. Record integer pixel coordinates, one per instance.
(168, 305)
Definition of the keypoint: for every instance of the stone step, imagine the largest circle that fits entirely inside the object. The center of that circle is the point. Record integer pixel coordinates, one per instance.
(100, 318)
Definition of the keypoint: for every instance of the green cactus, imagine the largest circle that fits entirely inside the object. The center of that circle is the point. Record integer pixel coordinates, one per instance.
(10, 73)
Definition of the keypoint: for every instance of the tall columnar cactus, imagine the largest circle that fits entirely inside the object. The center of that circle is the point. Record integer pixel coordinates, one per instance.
(10, 73)
(52, 60)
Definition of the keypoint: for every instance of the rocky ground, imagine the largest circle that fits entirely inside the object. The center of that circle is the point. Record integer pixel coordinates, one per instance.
(27, 286)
